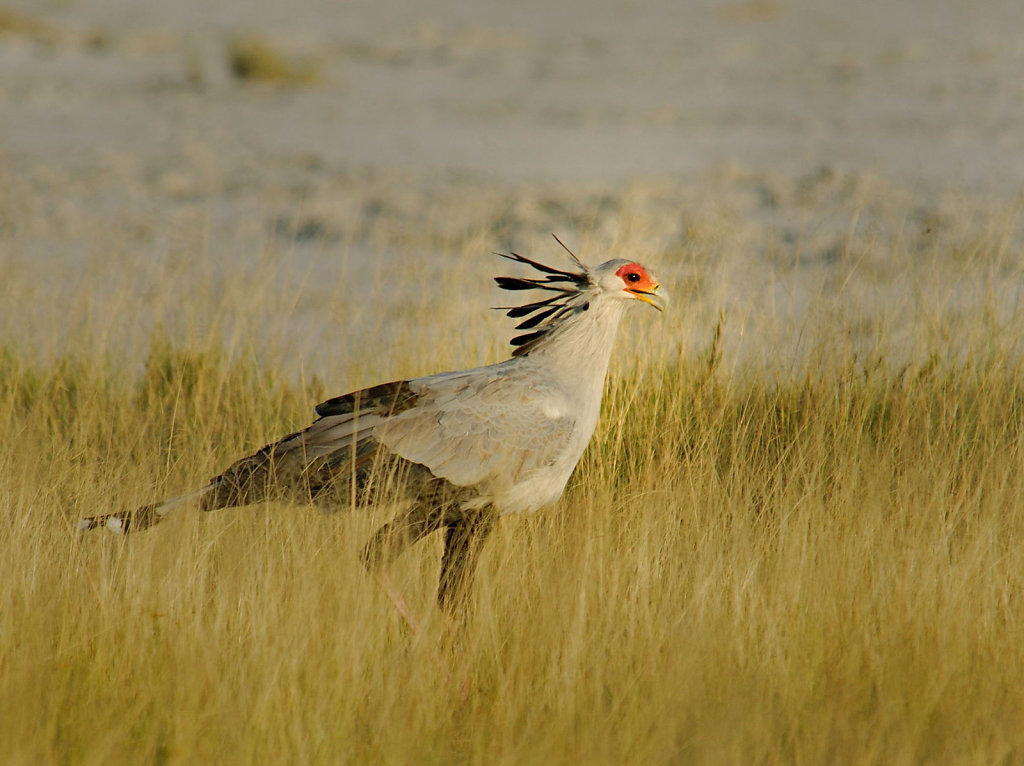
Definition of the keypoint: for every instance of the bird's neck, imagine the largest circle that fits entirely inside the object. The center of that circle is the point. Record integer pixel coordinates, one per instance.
(579, 350)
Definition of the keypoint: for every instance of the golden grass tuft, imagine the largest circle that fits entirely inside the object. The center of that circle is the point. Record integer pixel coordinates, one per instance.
(820, 566)
(15, 24)
(255, 59)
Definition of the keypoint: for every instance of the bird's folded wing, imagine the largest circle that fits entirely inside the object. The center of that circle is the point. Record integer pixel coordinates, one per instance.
(473, 428)
(480, 429)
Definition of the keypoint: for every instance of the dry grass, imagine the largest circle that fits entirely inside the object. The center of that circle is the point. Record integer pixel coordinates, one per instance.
(255, 59)
(818, 567)
(15, 24)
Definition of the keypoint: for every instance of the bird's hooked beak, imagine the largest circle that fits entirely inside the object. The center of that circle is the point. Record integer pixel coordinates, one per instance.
(653, 295)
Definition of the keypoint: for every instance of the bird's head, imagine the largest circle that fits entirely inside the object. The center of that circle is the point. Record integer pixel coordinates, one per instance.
(571, 293)
(629, 280)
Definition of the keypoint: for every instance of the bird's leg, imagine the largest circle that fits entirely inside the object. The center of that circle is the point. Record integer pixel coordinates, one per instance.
(399, 601)
(385, 546)
(464, 536)
(391, 540)
(388, 543)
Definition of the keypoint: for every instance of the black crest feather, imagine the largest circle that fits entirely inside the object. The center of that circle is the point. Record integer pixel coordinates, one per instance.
(546, 314)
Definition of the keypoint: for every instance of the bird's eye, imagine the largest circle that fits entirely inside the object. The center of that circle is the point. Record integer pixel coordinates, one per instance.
(632, 277)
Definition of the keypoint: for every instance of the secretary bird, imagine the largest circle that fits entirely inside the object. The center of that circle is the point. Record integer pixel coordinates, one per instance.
(458, 449)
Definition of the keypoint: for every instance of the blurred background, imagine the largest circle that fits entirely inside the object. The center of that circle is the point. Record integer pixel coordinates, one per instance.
(772, 159)
(799, 531)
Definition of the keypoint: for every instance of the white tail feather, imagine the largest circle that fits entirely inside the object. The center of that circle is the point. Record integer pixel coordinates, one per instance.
(144, 517)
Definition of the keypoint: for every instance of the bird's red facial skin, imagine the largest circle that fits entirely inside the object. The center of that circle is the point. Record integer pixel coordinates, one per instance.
(636, 278)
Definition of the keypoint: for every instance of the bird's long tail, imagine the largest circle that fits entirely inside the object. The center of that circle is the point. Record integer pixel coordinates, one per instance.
(135, 520)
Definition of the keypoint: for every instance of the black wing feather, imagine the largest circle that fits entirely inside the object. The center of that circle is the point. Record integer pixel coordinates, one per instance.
(387, 397)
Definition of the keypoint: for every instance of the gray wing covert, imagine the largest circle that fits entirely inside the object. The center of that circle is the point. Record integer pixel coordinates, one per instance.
(481, 429)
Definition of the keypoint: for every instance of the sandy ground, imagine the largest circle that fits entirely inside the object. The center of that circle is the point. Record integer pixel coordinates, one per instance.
(773, 160)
